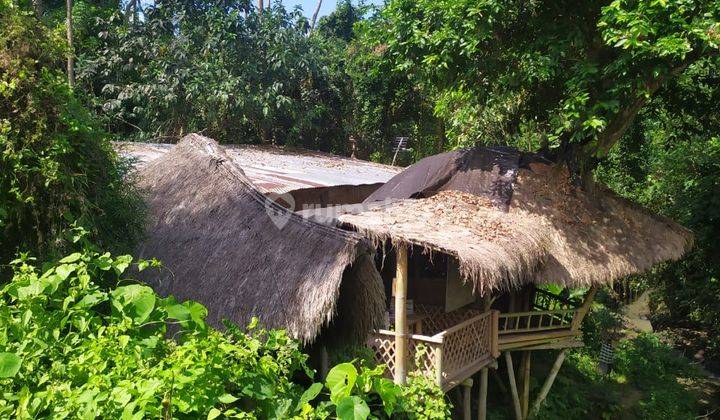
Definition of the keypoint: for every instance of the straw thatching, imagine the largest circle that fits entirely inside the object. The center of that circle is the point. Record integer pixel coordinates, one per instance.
(511, 219)
(227, 246)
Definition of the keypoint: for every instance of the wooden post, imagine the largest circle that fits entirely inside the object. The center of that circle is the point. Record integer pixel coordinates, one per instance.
(513, 385)
(467, 387)
(401, 333)
(482, 396)
(583, 309)
(548, 383)
(525, 382)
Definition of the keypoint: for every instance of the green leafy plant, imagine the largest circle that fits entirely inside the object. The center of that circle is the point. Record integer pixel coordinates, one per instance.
(57, 167)
(82, 338)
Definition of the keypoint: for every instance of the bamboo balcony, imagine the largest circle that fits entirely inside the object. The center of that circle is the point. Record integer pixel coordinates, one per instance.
(461, 343)
(555, 320)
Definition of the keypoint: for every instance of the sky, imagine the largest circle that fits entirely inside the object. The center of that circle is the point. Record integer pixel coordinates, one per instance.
(327, 7)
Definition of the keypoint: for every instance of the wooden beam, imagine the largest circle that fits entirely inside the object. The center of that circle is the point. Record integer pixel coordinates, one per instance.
(401, 332)
(467, 401)
(482, 396)
(548, 384)
(525, 383)
(513, 386)
(584, 308)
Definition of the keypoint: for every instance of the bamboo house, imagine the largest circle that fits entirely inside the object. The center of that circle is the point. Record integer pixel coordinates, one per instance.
(448, 256)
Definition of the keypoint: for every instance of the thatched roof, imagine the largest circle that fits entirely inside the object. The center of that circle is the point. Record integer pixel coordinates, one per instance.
(227, 246)
(511, 218)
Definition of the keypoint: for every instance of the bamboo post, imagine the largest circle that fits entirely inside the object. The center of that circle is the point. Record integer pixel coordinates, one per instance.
(525, 382)
(513, 385)
(401, 333)
(467, 387)
(548, 383)
(439, 366)
(482, 396)
(583, 309)
(494, 335)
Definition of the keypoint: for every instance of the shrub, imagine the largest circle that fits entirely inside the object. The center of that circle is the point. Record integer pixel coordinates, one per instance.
(70, 347)
(57, 166)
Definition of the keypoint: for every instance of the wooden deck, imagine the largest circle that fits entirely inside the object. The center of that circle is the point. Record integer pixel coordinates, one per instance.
(455, 345)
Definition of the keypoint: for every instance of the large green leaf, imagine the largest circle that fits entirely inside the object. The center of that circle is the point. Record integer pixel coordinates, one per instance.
(135, 300)
(309, 395)
(352, 408)
(340, 381)
(9, 365)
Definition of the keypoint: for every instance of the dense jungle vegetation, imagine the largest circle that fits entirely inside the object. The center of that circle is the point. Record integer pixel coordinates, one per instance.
(626, 92)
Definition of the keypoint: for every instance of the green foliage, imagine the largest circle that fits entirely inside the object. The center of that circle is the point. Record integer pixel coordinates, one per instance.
(534, 75)
(221, 69)
(649, 381)
(653, 367)
(82, 339)
(56, 165)
(669, 163)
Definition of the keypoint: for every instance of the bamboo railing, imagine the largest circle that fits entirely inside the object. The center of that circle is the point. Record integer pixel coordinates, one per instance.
(450, 356)
(524, 322)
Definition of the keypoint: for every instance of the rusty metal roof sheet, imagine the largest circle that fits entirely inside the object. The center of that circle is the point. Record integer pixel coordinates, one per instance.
(279, 170)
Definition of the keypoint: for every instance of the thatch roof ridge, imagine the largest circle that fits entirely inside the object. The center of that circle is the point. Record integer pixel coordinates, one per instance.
(242, 255)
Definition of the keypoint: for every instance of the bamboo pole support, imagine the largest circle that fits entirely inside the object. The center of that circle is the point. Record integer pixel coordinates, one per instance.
(467, 401)
(401, 333)
(548, 384)
(494, 334)
(513, 386)
(525, 383)
(584, 308)
(482, 396)
(439, 366)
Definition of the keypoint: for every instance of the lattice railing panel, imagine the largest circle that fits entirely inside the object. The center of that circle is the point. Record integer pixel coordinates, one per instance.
(422, 354)
(466, 344)
(438, 320)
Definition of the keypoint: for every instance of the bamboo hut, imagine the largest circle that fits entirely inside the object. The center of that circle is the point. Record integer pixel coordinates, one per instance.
(474, 233)
(227, 246)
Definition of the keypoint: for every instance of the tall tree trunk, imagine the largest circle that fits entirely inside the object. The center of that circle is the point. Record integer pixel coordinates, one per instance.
(38, 8)
(131, 10)
(582, 158)
(71, 49)
(269, 5)
(261, 5)
(315, 15)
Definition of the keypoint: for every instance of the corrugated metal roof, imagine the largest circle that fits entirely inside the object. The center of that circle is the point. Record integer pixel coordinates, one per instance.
(279, 170)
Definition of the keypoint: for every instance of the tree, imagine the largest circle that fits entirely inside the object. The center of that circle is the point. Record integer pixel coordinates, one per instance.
(71, 52)
(315, 15)
(566, 76)
(57, 169)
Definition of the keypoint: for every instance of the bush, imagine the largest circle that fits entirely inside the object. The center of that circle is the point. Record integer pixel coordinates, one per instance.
(57, 166)
(70, 347)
